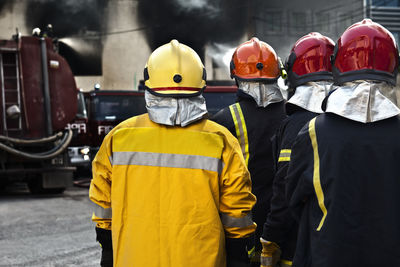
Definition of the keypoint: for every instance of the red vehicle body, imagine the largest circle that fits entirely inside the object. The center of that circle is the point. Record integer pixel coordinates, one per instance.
(218, 95)
(98, 112)
(107, 108)
(39, 98)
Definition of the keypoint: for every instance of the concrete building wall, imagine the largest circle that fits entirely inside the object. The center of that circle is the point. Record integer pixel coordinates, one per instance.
(124, 54)
(281, 23)
(125, 49)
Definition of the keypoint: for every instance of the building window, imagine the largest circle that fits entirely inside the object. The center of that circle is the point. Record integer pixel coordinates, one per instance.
(299, 20)
(272, 21)
(392, 3)
(322, 22)
(344, 20)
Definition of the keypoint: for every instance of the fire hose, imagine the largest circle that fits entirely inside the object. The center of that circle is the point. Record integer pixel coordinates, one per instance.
(33, 141)
(59, 148)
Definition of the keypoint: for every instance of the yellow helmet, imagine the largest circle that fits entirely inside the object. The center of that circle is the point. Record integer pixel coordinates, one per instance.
(175, 70)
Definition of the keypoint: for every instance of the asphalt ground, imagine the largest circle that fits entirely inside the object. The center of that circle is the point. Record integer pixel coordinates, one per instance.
(47, 230)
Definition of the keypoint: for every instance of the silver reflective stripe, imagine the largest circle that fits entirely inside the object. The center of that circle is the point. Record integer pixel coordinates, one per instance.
(167, 160)
(102, 212)
(110, 158)
(266, 261)
(230, 221)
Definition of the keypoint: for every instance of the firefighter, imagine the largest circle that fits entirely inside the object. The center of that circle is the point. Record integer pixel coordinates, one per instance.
(171, 187)
(310, 77)
(253, 120)
(343, 177)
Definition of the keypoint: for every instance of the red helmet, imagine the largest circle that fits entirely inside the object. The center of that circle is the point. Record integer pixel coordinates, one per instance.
(309, 59)
(365, 51)
(255, 60)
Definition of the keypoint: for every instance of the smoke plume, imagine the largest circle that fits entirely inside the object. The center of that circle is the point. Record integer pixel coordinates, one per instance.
(5, 5)
(193, 22)
(81, 21)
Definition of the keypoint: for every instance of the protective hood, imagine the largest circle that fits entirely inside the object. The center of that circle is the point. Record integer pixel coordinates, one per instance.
(310, 95)
(263, 93)
(175, 111)
(363, 101)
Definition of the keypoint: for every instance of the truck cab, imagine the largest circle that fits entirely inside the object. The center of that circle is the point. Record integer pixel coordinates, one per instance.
(79, 149)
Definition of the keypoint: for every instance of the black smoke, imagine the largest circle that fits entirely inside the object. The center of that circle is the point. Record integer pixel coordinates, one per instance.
(5, 6)
(193, 22)
(79, 21)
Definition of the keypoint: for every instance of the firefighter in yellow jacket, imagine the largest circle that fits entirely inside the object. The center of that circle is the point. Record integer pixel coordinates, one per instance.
(171, 188)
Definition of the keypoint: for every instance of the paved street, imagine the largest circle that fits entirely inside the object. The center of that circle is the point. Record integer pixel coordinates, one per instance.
(47, 230)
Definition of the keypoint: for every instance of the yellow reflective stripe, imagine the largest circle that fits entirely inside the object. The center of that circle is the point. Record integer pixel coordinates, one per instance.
(284, 155)
(316, 174)
(235, 121)
(241, 130)
(246, 139)
(251, 252)
(285, 263)
(169, 140)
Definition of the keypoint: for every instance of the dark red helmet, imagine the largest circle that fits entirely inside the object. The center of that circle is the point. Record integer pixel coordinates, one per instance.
(365, 51)
(309, 59)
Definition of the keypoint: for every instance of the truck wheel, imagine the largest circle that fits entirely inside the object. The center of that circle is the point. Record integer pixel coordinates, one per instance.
(35, 185)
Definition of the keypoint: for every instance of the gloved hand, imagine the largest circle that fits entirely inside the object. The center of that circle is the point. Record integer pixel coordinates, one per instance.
(105, 240)
(270, 254)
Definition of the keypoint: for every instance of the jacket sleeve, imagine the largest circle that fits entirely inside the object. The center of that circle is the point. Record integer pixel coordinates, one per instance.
(279, 220)
(236, 199)
(300, 172)
(100, 187)
(280, 226)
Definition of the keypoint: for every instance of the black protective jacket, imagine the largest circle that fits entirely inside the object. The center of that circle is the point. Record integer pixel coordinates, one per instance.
(260, 125)
(344, 188)
(280, 226)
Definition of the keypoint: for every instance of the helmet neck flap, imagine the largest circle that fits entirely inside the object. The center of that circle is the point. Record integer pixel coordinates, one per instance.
(363, 101)
(309, 96)
(175, 111)
(263, 93)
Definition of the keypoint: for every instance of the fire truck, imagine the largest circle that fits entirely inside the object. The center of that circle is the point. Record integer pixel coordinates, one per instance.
(39, 98)
(105, 109)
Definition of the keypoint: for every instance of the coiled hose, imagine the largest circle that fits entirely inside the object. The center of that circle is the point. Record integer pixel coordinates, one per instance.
(59, 148)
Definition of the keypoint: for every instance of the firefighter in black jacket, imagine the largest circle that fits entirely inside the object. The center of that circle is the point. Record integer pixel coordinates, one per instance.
(343, 177)
(254, 119)
(310, 75)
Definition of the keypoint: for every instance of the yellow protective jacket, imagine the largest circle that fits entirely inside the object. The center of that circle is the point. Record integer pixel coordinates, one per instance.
(170, 194)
